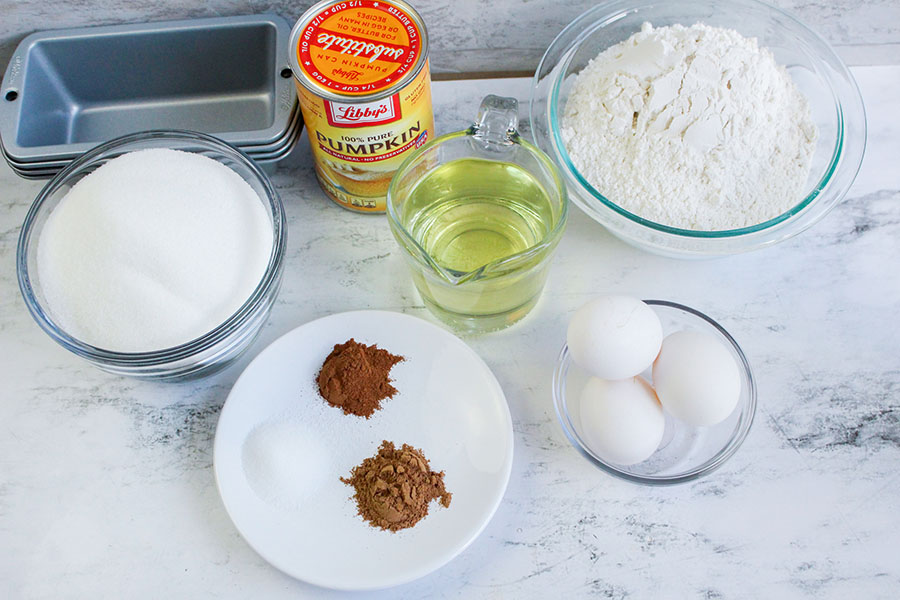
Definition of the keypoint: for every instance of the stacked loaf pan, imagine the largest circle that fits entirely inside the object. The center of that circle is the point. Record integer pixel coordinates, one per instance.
(66, 91)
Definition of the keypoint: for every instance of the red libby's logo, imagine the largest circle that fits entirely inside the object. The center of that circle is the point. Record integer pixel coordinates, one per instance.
(363, 114)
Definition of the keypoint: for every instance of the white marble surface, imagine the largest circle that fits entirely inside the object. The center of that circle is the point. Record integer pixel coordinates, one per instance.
(107, 490)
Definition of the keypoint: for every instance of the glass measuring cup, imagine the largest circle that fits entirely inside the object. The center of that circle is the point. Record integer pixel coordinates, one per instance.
(478, 214)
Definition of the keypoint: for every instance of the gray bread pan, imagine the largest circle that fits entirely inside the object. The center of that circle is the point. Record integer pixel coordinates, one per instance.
(66, 91)
(267, 164)
(49, 170)
(258, 153)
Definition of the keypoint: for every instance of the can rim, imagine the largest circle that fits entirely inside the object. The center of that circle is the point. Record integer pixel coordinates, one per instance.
(303, 79)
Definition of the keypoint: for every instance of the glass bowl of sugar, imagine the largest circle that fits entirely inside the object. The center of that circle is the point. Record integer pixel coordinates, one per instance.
(695, 129)
(157, 255)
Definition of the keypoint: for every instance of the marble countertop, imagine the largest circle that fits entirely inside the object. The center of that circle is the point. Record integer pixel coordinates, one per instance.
(107, 488)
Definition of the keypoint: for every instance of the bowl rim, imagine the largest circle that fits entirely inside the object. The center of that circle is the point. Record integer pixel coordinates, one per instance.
(268, 282)
(742, 428)
(613, 10)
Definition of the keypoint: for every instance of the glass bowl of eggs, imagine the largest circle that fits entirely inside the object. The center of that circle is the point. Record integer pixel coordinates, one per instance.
(695, 129)
(652, 392)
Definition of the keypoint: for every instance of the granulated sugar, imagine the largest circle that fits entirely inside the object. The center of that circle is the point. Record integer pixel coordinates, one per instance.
(693, 127)
(153, 249)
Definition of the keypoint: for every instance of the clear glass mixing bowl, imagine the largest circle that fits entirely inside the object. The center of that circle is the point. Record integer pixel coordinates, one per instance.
(686, 452)
(210, 351)
(834, 99)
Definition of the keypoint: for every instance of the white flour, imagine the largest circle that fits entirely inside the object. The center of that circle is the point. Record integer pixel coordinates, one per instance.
(693, 127)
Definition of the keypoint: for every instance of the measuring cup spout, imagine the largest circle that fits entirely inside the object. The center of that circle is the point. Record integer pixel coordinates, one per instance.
(427, 261)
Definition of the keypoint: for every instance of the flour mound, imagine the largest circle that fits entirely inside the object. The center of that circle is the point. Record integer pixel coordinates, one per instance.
(692, 127)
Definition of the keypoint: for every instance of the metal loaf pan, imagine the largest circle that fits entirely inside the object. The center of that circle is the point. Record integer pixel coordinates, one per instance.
(258, 153)
(66, 91)
(267, 160)
(264, 156)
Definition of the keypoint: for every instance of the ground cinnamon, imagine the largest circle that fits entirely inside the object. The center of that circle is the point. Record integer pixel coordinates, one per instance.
(395, 487)
(356, 377)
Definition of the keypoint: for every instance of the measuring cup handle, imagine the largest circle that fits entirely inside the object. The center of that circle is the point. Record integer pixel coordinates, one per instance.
(497, 121)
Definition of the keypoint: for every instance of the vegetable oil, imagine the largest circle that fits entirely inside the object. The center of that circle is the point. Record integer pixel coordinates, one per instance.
(486, 225)
(470, 212)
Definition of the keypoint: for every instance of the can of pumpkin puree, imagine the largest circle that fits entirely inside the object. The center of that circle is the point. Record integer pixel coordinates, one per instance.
(361, 69)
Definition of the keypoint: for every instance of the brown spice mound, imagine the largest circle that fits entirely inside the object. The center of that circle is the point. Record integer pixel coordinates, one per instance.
(394, 487)
(355, 378)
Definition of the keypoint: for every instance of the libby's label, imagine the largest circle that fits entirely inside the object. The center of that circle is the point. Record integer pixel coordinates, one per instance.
(357, 146)
(359, 46)
(363, 114)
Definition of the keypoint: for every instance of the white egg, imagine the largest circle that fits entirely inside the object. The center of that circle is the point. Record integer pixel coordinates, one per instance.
(614, 337)
(622, 421)
(696, 378)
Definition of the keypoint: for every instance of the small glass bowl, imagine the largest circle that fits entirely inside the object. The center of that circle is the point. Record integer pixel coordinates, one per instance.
(211, 351)
(686, 452)
(834, 99)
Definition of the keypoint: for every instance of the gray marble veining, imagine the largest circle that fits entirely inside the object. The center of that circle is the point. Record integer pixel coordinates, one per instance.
(107, 490)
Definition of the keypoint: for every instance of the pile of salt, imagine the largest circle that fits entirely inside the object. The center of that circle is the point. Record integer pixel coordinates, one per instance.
(285, 462)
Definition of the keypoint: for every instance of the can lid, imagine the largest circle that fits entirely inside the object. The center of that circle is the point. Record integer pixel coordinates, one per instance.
(357, 47)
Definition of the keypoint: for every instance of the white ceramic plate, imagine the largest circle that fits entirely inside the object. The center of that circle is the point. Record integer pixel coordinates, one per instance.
(448, 404)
